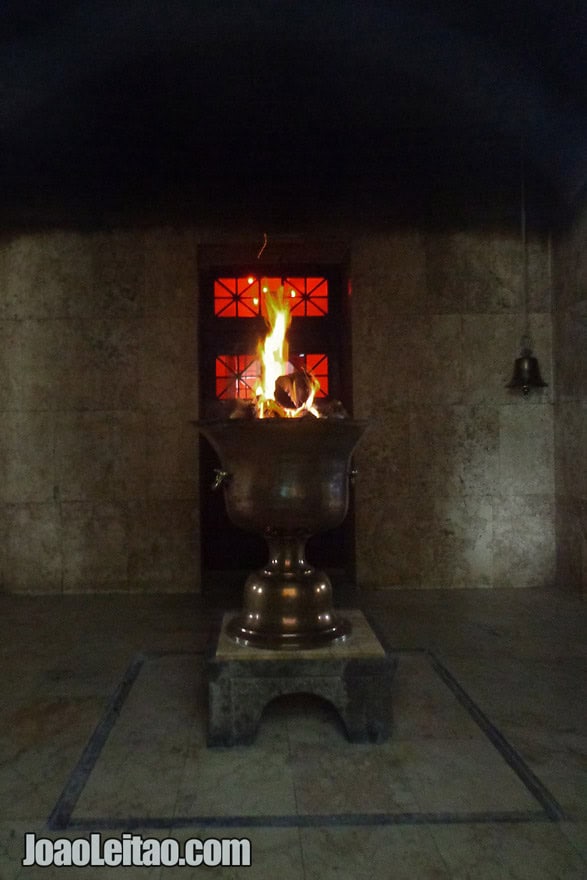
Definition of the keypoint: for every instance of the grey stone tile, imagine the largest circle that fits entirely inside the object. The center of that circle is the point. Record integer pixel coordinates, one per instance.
(101, 456)
(463, 775)
(526, 449)
(458, 550)
(168, 372)
(454, 450)
(363, 853)
(105, 365)
(162, 545)
(325, 779)
(117, 272)
(497, 852)
(31, 556)
(171, 271)
(251, 780)
(389, 542)
(438, 351)
(394, 267)
(275, 852)
(523, 541)
(576, 832)
(40, 743)
(11, 848)
(27, 471)
(385, 353)
(172, 455)
(474, 272)
(95, 546)
(42, 274)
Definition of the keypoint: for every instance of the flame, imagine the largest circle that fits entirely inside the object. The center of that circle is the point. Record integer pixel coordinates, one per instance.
(273, 353)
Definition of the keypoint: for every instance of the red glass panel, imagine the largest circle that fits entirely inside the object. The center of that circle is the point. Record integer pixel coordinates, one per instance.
(236, 376)
(243, 297)
(236, 297)
(309, 296)
(317, 364)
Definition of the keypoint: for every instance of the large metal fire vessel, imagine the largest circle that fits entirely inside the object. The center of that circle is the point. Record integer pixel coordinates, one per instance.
(286, 479)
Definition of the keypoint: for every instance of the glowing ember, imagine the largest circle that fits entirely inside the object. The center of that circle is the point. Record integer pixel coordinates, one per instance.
(278, 377)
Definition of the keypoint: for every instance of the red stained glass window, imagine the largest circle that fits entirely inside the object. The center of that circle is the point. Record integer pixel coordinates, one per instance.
(244, 297)
(237, 297)
(237, 374)
(308, 296)
(317, 365)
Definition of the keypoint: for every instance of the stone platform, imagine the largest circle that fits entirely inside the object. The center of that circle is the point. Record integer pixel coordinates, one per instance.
(354, 675)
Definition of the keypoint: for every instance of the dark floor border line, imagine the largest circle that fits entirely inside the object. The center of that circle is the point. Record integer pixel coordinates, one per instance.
(330, 820)
(60, 818)
(61, 815)
(537, 789)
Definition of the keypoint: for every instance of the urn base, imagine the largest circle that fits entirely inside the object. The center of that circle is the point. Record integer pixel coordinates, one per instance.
(288, 603)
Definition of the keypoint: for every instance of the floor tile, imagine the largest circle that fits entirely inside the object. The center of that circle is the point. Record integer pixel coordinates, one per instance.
(500, 852)
(275, 853)
(463, 776)
(395, 852)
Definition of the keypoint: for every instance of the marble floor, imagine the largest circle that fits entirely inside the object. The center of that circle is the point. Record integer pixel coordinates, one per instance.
(102, 729)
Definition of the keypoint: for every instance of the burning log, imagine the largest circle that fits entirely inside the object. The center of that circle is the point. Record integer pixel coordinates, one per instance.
(293, 389)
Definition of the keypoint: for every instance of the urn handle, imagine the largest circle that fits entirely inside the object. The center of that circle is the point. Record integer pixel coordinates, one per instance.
(220, 478)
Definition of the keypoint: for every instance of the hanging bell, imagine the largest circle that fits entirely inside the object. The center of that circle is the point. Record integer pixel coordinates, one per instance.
(526, 373)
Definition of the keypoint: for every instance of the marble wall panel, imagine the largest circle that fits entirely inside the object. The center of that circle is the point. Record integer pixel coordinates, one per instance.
(171, 271)
(390, 534)
(70, 364)
(31, 547)
(106, 372)
(172, 455)
(394, 268)
(27, 471)
(523, 541)
(162, 550)
(95, 546)
(40, 360)
(117, 274)
(482, 272)
(526, 449)
(457, 550)
(571, 543)
(454, 450)
(438, 374)
(385, 356)
(169, 363)
(41, 274)
(571, 442)
(382, 457)
(570, 320)
(571, 342)
(100, 455)
(473, 272)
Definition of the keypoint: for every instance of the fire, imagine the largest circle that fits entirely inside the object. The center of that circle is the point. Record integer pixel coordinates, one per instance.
(273, 352)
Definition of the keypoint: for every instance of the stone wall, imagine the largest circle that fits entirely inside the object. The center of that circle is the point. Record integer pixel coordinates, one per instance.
(455, 484)
(570, 323)
(98, 383)
(98, 379)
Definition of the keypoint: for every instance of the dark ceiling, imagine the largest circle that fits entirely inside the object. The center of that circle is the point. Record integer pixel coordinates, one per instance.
(279, 111)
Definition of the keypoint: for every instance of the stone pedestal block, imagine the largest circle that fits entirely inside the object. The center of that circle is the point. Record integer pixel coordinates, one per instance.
(355, 676)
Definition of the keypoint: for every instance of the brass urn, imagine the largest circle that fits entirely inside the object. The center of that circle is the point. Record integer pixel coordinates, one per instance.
(286, 479)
